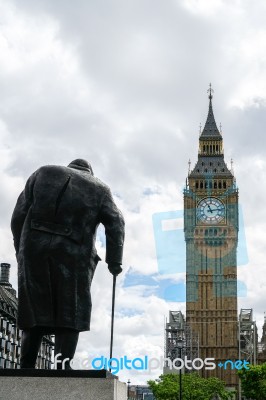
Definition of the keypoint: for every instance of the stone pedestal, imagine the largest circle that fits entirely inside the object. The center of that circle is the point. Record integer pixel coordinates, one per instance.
(29, 384)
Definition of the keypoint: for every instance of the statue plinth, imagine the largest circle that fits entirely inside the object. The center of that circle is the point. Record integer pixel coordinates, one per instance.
(41, 384)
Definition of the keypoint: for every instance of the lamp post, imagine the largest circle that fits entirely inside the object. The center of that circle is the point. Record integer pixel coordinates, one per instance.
(128, 383)
(180, 346)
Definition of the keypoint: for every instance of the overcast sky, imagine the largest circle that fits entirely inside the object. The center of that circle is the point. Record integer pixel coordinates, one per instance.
(124, 84)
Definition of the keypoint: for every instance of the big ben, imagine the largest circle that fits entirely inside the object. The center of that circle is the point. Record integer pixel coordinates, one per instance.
(211, 235)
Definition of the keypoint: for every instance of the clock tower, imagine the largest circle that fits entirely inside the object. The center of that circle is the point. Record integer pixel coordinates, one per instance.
(211, 235)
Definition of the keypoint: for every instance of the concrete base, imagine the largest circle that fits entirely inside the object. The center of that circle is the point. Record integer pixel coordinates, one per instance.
(60, 385)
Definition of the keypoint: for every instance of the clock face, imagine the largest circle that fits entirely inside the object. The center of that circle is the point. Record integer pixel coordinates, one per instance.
(210, 210)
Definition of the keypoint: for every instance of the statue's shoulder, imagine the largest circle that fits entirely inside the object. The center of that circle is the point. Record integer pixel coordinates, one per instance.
(83, 177)
(52, 170)
(100, 183)
(97, 185)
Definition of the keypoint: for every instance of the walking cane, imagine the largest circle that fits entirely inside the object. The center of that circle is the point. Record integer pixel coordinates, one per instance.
(112, 321)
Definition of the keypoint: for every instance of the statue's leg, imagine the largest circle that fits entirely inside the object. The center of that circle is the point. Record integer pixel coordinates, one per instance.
(31, 341)
(65, 343)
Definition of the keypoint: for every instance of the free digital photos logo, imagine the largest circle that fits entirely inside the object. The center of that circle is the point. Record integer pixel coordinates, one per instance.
(115, 365)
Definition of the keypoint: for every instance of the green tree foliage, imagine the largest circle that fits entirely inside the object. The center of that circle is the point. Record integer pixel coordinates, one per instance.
(253, 381)
(193, 388)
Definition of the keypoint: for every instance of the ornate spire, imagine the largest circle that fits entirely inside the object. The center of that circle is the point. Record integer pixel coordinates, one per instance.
(210, 90)
(210, 129)
(211, 155)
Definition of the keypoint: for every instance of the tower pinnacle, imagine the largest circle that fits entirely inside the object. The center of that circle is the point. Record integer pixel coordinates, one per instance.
(210, 90)
(211, 154)
(210, 129)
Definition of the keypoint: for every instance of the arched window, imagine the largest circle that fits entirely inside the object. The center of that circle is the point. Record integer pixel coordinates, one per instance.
(201, 184)
(197, 184)
(220, 185)
(224, 184)
(215, 185)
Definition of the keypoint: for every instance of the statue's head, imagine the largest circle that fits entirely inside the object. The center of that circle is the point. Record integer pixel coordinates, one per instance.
(81, 164)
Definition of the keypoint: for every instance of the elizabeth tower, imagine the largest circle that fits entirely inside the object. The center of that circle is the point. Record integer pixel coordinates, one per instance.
(211, 235)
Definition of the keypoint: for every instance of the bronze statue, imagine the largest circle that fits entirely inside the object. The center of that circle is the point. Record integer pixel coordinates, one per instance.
(54, 226)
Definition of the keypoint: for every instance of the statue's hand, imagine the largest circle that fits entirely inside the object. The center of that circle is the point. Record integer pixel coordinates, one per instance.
(115, 268)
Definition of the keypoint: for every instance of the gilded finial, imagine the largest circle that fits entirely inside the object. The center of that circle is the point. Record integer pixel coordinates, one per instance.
(210, 90)
(200, 126)
(189, 165)
(220, 128)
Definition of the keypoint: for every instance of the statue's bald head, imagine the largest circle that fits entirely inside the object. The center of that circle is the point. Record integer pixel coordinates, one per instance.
(81, 164)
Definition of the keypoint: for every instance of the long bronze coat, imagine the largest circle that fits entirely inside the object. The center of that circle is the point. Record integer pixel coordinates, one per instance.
(54, 226)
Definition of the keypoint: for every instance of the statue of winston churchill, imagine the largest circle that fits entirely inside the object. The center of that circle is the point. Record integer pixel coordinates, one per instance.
(54, 226)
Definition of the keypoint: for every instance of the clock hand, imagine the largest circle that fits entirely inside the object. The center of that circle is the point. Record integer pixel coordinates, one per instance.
(209, 208)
